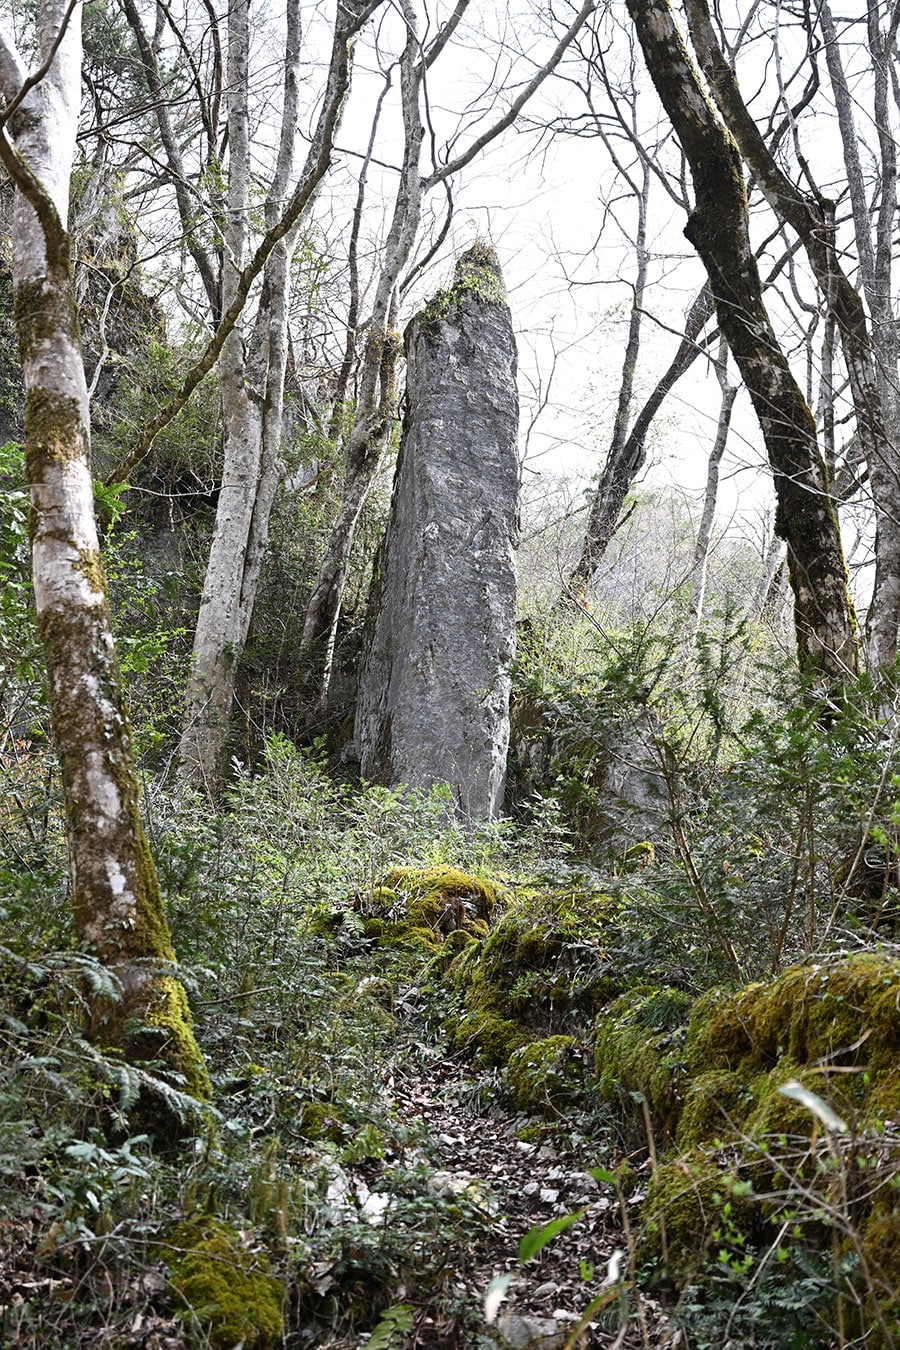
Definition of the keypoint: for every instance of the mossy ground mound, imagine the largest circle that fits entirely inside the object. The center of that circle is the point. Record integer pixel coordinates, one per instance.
(542, 970)
(544, 1076)
(754, 1161)
(639, 1052)
(835, 1023)
(420, 908)
(228, 1288)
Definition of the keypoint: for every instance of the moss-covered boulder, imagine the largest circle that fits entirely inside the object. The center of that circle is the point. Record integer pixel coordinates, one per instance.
(442, 898)
(638, 1055)
(544, 1075)
(693, 1203)
(542, 968)
(879, 1249)
(226, 1286)
(490, 1039)
(788, 1090)
(545, 955)
(843, 1010)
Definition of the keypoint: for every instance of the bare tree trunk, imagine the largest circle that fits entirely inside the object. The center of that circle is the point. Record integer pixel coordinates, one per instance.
(609, 496)
(623, 466)
(376, 403)
(773, 567)
(873, 393)
(875, 266)
(704, 531)
(118, 911)
(825, 624)
(252, 372)
(217, 642)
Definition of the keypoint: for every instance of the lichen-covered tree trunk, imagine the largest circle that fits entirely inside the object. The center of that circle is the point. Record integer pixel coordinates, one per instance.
(118, 911)
(824, 620)
(435, 680)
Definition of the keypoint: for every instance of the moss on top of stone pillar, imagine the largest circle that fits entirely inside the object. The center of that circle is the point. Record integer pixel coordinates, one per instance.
(478, 273)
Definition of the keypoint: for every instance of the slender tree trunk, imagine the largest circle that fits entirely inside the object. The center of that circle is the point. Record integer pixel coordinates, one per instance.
(216, 639)
(376, 404)
(718, 227)
(251, 373)
(875, 266)
(625, 460)
(118, 911)
(704, 531)
(616, 480)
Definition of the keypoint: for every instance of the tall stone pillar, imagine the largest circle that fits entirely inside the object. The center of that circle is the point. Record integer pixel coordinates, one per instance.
(434, 689)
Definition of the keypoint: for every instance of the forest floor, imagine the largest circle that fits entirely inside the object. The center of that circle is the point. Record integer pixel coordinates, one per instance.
(471, 1147)
(527, 1185)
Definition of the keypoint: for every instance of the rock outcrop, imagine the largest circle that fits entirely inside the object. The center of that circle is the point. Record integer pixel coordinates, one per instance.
(434, 689)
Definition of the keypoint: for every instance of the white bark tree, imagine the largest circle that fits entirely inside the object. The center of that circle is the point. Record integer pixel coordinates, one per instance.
(251, 349)
(118, 911)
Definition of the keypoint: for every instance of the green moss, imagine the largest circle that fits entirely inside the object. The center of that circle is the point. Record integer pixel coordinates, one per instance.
(683, 1212)
(543, 958)
(832, 1026)
(442, 898)
(321, 1120)
(844, 1011)
(714, 1104)
(228, 1289)
(54, 431)
(543, 1075)
(880, 1249)
(171, 1024)
(478, 274)
(492, 1039)
(90, 565)
(638, 1054)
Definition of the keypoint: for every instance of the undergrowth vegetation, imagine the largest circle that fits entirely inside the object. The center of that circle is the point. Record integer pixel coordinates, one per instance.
(677, 953)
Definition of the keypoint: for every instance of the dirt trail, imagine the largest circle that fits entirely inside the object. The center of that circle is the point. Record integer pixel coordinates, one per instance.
(474, 1148)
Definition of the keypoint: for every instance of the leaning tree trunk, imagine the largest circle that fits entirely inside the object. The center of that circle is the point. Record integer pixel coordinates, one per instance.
(700, 569)
(118, 911)
(870, 357)
(627, 457)
(617, 477)
(824, 620)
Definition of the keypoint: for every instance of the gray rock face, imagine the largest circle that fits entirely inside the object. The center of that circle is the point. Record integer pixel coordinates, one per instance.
(434, 689)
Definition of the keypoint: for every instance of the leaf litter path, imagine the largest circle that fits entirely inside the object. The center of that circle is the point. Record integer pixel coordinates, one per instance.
(473, 1147)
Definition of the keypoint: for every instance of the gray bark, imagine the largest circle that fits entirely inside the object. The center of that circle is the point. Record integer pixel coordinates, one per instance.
(251, 376)
(875, 267)
(870, 356)
(434, 691)
(704, 531)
